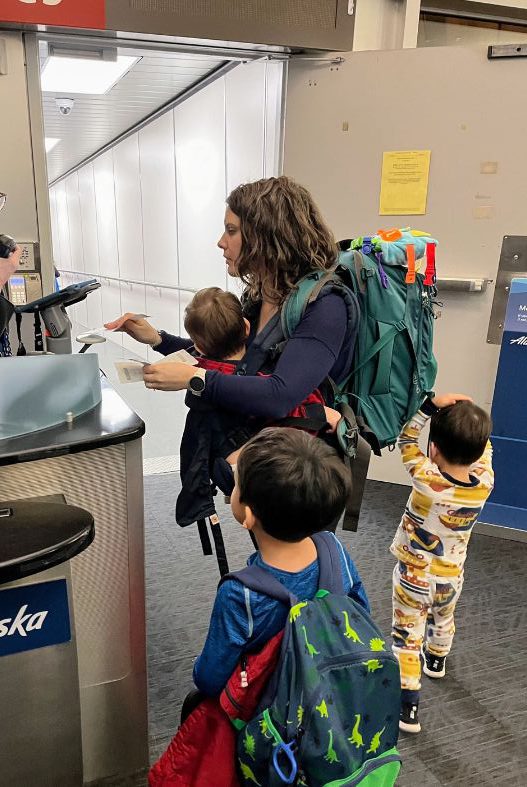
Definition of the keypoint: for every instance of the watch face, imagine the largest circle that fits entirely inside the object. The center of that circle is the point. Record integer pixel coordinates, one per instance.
(197, 384)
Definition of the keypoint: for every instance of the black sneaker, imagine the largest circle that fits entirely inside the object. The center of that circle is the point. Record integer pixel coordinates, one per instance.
(434, 666)
(409, 720)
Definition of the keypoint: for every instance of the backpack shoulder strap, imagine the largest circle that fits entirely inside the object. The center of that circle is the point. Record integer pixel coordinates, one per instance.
(262, 581)
(270, 340)
(308, 290)
(330, 571)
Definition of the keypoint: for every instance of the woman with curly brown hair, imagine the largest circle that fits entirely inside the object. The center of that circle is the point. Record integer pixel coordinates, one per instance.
(274, 235)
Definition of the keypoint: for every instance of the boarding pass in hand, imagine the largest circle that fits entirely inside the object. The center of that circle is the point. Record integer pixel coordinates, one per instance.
(131, 371)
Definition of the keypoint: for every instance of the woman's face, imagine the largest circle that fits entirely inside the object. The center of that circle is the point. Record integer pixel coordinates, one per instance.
(231, 242)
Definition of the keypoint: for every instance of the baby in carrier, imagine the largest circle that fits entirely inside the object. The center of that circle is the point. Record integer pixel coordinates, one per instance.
(213, 438)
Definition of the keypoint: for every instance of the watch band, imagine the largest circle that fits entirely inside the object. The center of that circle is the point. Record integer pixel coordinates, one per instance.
(196, 384)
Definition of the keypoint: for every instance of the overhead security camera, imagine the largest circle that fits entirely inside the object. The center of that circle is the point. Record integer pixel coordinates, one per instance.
(64, 105)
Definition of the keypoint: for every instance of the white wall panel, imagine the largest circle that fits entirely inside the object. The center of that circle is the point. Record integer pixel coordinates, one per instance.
(200, 176)
(163, 308)
(54, 226)
(94, 309)
(185, 298)
(111, 304)
(81, 312)
(273, 115)
(75, 225)
(128, 208)
(158, 190)
(63, 226)
(106, 219)
(244, 123)
(133, 300)
(89, 219)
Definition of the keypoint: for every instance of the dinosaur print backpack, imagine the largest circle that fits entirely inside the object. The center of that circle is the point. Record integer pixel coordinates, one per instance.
(330, 715)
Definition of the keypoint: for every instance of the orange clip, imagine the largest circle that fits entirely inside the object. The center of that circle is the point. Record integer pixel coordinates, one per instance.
(390, 235)
(410, 256)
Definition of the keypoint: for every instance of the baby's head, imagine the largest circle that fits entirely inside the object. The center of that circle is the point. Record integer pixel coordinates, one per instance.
(214, 321)
(459, 433)
(289, 484)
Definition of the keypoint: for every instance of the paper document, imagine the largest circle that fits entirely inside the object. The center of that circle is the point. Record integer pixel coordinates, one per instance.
(404, 183)
(131, 371)
(181, 356)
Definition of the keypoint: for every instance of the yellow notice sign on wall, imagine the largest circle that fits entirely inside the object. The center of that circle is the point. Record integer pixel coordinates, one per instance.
(404, 182)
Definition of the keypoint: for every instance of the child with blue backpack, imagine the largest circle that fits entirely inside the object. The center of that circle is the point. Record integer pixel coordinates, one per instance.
(329, 713)
(289, 486)
(450, 487)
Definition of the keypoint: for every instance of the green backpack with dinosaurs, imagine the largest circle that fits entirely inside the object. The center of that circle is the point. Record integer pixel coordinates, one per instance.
(330, 714)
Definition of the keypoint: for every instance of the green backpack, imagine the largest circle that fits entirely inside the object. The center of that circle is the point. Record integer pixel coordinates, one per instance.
(394, 366)
(329, 716)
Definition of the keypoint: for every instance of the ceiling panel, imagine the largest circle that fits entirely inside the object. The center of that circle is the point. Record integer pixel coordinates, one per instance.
(157, 78)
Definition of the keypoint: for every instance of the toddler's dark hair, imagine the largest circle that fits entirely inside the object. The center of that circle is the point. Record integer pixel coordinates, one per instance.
(460, 432)
(294, 483)
(214, 321)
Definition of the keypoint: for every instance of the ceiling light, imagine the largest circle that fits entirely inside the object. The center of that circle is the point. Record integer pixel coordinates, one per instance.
(83, 75)
(50, 143)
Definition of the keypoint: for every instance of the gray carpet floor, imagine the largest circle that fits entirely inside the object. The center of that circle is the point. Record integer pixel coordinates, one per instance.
(474, 721)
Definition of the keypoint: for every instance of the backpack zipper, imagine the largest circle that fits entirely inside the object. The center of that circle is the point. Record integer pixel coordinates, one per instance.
(346, 659)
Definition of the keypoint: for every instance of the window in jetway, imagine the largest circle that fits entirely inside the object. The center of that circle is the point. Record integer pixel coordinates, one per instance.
(444, 30)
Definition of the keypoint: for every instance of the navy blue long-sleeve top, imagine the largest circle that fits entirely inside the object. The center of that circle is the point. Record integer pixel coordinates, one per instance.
(321, 346)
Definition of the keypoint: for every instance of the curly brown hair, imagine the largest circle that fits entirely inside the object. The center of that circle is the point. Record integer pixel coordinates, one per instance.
(283, 236)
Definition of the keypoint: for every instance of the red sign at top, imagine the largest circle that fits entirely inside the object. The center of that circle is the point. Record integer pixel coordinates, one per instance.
(55, 13)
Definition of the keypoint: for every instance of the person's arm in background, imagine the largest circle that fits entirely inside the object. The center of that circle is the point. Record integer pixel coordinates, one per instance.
(226, 639)
(141, 330)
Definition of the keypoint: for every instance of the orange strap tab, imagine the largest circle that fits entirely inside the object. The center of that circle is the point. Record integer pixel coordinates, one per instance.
(410, 256)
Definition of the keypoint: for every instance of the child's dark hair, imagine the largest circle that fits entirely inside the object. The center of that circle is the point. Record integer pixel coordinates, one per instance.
(460, 432)
(214, 321)
(294, 483)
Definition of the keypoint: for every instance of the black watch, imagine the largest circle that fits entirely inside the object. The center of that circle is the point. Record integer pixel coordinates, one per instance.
(196, 384)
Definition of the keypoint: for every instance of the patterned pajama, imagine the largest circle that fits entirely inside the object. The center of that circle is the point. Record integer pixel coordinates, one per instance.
(423, 611)
(430, 547)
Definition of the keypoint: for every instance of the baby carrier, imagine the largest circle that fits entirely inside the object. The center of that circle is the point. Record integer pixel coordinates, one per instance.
(209, 436)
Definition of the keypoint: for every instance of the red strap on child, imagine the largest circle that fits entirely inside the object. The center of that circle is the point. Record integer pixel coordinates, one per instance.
(410, 256)
(430, 273)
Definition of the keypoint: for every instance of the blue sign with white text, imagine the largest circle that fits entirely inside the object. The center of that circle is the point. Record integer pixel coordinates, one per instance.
(34, 616)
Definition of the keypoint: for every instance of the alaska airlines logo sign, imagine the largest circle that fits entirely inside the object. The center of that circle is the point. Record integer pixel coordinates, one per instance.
(34, 616)
(519, 340)
(63, 13)
(22, 623)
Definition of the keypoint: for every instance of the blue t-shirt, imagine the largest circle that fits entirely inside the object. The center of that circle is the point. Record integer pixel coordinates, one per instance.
(243, 620)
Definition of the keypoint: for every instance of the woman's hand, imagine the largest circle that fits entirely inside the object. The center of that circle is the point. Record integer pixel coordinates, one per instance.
(169, 376)
(445, 400)
(136, 327)
(332, 417)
